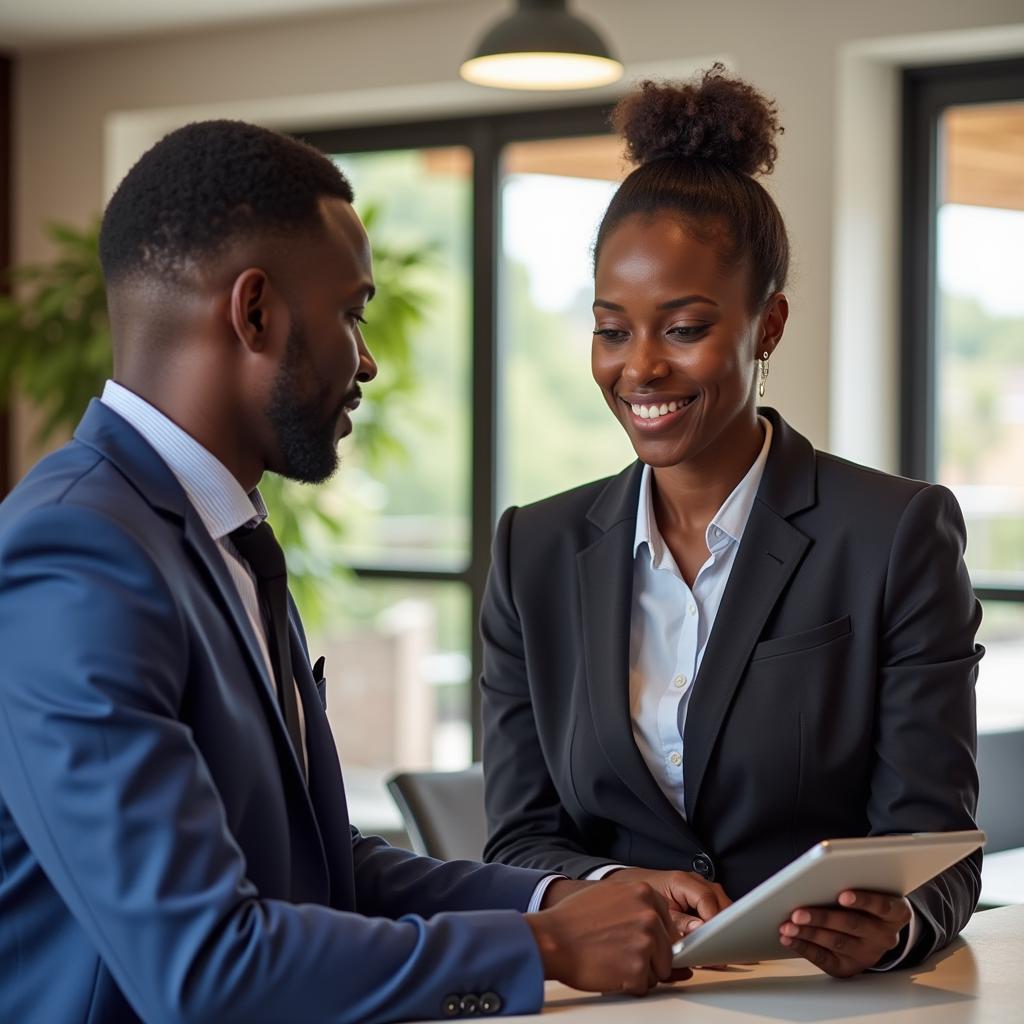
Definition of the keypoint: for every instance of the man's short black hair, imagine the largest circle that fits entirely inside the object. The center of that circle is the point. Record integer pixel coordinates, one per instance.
(207, 185)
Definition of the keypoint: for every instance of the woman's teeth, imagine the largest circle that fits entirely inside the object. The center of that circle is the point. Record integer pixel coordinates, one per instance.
(652, 412)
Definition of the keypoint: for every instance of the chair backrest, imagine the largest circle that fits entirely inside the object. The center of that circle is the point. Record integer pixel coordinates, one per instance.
(1000, 806)
(443, 811)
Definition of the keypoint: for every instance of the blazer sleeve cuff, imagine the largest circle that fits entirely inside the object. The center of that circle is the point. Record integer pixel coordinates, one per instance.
(908, 939)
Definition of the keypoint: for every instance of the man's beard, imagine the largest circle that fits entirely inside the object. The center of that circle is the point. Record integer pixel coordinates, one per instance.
(305, 437)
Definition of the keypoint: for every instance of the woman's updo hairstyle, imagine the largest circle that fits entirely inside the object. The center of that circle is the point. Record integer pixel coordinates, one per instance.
(697, 147)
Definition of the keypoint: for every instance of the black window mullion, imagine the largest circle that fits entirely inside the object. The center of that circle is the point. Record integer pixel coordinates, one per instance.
(483, 476)
(920, 202)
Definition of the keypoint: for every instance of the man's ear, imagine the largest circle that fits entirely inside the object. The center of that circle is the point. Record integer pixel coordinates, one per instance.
(251, 302)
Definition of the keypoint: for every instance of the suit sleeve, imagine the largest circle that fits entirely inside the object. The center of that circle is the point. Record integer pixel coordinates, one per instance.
(115, 801)
(528, 825)
(391, 882)
(926, 777)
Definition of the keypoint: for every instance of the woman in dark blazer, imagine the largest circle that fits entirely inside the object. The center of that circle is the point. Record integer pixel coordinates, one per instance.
(738, 646)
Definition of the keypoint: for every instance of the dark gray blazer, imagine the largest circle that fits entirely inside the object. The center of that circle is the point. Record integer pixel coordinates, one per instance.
(835, 697)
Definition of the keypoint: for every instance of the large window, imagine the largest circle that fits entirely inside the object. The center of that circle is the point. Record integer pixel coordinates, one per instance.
(964, 337)
(504, 210)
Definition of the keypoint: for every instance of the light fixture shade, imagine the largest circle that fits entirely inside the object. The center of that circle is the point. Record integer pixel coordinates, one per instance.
(541, 46)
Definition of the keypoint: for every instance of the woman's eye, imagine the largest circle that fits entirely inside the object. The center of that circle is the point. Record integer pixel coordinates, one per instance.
(687, 331)
(609, 333)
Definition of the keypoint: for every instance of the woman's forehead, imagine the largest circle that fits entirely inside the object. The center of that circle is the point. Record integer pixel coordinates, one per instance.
(663, 250)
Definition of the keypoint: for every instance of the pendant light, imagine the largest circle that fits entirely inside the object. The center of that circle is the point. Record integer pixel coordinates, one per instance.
(541, 46)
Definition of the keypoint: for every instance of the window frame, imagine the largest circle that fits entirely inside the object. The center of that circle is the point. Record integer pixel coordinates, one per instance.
(485, 136)
(927, 93)
(6, 213)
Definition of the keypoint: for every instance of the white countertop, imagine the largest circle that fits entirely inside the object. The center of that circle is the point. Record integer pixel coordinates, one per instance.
(978, 979)
(1002, 879)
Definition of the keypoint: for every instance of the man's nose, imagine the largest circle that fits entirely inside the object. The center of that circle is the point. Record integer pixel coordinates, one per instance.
(367, 365)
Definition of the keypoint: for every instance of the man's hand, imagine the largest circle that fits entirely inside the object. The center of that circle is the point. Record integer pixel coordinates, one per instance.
(562, 888)
(848, 940)
(607, 938)
(691, 899)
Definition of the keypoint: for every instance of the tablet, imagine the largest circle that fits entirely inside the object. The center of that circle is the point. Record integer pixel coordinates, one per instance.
(749, 928)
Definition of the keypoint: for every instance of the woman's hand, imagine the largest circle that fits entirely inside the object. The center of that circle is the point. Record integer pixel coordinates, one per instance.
(691, 899)
(847, 940)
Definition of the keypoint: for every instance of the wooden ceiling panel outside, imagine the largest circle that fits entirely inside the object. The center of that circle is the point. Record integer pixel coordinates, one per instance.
(983, 149)
(598, 156)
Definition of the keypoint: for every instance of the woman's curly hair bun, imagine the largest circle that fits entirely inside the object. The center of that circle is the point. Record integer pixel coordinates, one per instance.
(718, 119)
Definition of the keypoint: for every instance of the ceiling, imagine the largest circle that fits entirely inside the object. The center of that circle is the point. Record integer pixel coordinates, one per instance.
(39, 24)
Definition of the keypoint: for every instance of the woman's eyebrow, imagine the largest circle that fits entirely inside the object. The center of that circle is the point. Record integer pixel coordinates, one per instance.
(687, 300)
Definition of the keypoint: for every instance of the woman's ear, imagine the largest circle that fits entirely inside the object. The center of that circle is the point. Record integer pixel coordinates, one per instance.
(773, 323)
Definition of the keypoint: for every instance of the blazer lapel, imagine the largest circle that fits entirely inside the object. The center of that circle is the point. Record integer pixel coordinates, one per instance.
(316, 888)
(209, 556)
(769, 553)
(606, 594)
(326, 789)
(117, 440)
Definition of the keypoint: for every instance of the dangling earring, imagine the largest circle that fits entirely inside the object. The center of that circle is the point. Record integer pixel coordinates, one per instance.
(764, 374)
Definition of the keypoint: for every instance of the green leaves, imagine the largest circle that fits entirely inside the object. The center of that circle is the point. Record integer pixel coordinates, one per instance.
(54, 333)
(55, 347)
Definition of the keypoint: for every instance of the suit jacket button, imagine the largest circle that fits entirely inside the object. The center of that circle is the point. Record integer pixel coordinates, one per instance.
(703, 866)
(470, 1005)
(452, 1006)
(490, 1002)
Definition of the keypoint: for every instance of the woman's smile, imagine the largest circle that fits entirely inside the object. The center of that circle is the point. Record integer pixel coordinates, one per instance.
(657, 413)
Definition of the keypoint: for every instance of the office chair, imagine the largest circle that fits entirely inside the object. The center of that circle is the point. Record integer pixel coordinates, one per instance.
(1000, 770)
(443, 811)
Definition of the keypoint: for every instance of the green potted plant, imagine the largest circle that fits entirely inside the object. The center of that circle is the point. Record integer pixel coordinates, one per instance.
(55, 348)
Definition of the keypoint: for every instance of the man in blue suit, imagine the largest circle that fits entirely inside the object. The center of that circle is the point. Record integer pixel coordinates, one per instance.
(174, 840)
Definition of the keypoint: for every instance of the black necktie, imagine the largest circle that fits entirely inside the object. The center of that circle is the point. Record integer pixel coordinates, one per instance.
(258, 546)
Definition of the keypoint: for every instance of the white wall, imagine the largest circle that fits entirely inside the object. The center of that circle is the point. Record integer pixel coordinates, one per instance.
(81, 114)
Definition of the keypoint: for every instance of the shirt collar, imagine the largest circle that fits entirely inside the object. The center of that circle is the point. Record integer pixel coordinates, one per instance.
(217, 496)
(730, 520)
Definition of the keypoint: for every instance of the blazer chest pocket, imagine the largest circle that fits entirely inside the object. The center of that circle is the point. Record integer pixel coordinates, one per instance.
(803, 641)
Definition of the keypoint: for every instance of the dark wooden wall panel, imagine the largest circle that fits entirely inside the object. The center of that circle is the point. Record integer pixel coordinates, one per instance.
(6, 161)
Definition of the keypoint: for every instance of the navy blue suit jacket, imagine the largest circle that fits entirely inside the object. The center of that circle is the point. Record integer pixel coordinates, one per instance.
(160, 855)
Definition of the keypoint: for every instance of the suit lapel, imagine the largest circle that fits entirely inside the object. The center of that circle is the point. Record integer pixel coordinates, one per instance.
(606, 595)
(316, 887)
(112, 436)
(769, 553)
(208, 554)
(326, 789)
